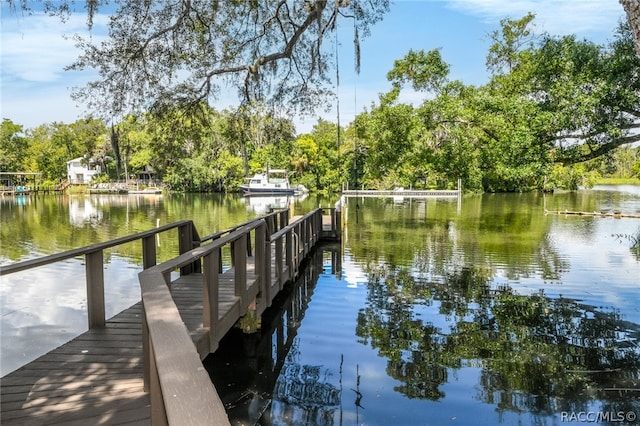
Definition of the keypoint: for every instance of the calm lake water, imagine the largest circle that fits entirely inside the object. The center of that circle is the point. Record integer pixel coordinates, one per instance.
(430, 312)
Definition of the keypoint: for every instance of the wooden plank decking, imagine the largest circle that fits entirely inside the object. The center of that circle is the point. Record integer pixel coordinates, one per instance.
(97, 378)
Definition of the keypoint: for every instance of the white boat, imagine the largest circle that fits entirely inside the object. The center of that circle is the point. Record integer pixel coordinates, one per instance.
(273, 181)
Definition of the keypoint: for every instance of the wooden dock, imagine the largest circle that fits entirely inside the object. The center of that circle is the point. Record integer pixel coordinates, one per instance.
(97, 378)
(143, 366)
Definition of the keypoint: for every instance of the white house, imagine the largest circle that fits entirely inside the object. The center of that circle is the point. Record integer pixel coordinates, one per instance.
(81, 171)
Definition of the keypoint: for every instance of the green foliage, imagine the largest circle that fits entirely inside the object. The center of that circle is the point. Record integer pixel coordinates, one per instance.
(425, 71)
(13, 147)
(167, 54)
(551, 102)
(47, 155)
(316, 160)
(589, 94)
(508, 44)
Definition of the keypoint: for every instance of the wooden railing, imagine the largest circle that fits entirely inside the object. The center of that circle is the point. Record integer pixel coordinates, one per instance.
(94, 262)
(181, 390)
(180, 387)
(288, 249)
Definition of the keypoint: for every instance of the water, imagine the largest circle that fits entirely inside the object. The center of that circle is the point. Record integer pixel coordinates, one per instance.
(428, 312)
(491, 313)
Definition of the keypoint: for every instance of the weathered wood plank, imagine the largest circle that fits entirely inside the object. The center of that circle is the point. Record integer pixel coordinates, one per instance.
(105, 382)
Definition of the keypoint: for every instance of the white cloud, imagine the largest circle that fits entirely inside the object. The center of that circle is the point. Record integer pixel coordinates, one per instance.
(558, 17)
(37, 48)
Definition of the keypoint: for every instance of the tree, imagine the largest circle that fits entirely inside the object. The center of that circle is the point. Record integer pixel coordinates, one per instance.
(13, 146)
(589, 94)
(316, 158)
(255, 127)
(508, 43)
(48, 152)
(632, 8)
(425, 71)
(389, 133)
(162, 54)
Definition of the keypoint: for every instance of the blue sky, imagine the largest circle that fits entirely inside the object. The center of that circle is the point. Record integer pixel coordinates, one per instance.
(35, 90)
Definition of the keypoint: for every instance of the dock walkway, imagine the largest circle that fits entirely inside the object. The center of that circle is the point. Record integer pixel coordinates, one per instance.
(97, 378)
(137, 367)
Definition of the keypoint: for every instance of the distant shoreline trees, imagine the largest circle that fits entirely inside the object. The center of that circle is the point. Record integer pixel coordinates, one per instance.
(557, 111)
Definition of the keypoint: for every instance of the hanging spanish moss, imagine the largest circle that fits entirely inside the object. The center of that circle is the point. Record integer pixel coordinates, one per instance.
(337, 80)
(356, 46)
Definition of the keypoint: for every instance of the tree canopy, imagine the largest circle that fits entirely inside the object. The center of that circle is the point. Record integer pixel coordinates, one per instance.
(550, 101)
(162, 54)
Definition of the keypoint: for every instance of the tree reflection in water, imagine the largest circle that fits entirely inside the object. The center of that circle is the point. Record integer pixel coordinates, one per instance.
(536, 354)
(303, 395)
(531, 355)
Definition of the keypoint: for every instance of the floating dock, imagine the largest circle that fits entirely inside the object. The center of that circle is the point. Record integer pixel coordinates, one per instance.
(614, 214)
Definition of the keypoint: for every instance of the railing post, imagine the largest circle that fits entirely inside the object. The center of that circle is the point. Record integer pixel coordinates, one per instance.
(95, 289)
(158, 412)
(186, 235)
(249, 247)
(184, 245)
(278, 248)
(210, 295)
(272, 225)
(288, 255)
(240, 267)
(263, 260)
(305, 236)
(313, 224)
(149, 251)
(146, 352)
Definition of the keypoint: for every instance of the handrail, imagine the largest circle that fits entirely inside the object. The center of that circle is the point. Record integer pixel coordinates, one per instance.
(287, 228)
(291, 257)
(180, 389)
(94, 262)
(173, 395)
(175, 369)
(56, 257)
(268, 217)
